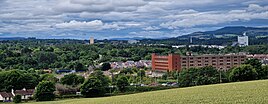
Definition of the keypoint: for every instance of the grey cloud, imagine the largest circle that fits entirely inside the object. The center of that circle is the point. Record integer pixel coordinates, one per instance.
(145, 16)
(213, 18)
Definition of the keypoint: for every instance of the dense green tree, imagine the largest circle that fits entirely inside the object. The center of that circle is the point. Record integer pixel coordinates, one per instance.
(93, 87)
(17, 80)
(13, 80)
(198, 76)
(45, 91)
(26, 50)
(48, 77)
(254, 62)
(99, 74)
(30, 81)
(105, 66)
(264, 72)
(121, 83)
(72, 79)
(79, 67)
(141, 73)
(243, 73)
(257, 65)
(127, 71)
(165, 76)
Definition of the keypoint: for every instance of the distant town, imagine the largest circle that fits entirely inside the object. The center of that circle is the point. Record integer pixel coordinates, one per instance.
(121, 66)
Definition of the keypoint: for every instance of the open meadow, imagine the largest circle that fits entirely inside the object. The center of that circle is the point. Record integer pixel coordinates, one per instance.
(240, 92)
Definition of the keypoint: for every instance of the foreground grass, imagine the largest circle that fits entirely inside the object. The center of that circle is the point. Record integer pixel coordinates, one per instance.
(242, 92)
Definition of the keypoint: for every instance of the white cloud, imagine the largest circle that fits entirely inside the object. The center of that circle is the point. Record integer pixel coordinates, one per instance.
(92, 25)
(150, 28)
(258, 8)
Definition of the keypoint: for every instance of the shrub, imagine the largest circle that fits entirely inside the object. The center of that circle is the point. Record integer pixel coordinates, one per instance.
(66, 90)
(17, 99)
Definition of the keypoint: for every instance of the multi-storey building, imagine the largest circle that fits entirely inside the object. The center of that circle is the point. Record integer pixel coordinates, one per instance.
(242, 40)
(91, 40)
(166, 63)
(177, 62)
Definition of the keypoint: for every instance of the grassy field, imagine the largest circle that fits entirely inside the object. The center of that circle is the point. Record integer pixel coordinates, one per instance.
(252, 92)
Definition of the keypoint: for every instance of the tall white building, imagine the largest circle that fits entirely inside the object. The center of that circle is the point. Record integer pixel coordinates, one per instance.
(91, 40)
(242, 40)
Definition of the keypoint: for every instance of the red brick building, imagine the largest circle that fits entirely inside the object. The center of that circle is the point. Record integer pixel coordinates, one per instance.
(166, 63)
(177, 62)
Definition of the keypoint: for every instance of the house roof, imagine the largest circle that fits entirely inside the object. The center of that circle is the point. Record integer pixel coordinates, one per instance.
(5, 94)
(25, 92)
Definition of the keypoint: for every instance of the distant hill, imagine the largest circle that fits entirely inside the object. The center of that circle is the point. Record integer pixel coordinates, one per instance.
(230, 31)
(136, 38)
(222, 36)
(11, 38)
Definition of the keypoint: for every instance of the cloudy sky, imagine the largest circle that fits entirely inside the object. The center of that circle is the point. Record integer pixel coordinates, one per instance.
(105, 19)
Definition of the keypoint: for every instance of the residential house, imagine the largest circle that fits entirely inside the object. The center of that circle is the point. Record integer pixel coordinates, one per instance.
(25, 93)
(6, 97)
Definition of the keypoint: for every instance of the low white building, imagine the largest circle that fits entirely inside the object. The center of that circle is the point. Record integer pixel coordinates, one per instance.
(6, 97)
(133, 41)
(25, 93)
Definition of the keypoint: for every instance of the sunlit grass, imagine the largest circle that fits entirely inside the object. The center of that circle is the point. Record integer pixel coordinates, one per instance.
(241, 92)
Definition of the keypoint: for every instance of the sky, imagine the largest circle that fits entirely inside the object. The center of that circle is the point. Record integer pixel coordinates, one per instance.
(106, 19)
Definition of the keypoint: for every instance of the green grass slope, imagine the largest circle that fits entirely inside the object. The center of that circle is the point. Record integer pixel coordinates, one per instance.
(252, 92)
